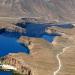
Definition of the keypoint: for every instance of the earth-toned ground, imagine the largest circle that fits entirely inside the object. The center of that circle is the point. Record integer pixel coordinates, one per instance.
(47, 10)
(67, 57)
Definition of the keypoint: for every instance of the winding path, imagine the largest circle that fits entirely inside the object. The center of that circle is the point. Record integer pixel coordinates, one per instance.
(57, 56)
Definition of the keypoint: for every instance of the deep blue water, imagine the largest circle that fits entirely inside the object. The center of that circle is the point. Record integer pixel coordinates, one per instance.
(34, 30)
(48, 38)
(10, 45)
(66, 25)
(11, 34)
(5, 73)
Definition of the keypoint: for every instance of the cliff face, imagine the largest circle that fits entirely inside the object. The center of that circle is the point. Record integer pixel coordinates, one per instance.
(50, 10)
(11, 27)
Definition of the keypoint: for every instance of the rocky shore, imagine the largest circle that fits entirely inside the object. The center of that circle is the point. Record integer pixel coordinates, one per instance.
(11, 27)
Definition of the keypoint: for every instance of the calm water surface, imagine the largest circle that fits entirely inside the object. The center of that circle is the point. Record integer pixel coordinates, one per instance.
(10, 45)
(5, 73)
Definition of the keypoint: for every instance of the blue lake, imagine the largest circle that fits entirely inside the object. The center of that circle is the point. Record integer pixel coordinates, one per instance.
(5, 73)
(10, 45)
(34, 30)
(48, 38)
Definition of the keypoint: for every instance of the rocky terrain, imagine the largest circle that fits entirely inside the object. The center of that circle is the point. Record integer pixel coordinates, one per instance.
(11, 27)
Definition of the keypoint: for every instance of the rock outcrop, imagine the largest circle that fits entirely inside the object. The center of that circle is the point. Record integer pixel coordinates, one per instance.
(11, 27)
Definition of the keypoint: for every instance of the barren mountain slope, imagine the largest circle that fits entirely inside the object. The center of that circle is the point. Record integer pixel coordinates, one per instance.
(48, 9)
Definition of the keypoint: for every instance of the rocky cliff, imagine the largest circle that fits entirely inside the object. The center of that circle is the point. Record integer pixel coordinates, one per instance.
(11, 27)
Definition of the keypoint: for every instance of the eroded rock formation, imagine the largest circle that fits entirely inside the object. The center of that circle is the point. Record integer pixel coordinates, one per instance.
(11, 27)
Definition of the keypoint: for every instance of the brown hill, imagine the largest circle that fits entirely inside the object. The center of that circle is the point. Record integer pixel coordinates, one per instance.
(53, 10)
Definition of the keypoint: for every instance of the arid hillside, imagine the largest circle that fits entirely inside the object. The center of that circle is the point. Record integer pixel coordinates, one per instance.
(50, 10)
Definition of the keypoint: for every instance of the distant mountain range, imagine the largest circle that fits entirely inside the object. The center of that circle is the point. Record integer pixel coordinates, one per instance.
(51, 10)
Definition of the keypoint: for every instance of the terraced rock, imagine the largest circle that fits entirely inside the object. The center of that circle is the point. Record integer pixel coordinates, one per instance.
(11, 27)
